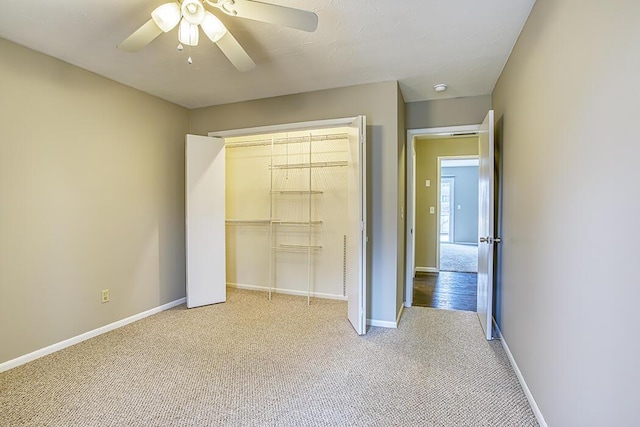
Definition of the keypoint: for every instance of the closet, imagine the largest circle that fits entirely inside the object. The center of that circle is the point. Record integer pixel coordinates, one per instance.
(294, 211)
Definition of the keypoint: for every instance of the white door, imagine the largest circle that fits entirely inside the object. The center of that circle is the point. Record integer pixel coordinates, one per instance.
(205, 220)
(486, 216)
(357, 239)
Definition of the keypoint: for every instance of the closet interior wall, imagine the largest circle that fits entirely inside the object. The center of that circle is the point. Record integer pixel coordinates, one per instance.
(287, 212)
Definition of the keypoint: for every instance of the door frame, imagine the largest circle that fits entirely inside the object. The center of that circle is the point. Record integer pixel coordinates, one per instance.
(410, 247)
(452, 223)
(361, 324)
(314, 124)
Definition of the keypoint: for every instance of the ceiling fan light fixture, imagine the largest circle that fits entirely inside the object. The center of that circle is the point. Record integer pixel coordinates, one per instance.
(193, 11)
(166, 16)
(188, 15)
(188, 33)
(213, 27)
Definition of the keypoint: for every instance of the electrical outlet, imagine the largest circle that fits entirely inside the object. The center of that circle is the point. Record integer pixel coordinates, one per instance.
(105, 295)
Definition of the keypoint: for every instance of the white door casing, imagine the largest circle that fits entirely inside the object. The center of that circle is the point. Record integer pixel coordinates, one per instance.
(357, 239)
(205, 220)
(410, 249)
(486, 230)
(411, 192)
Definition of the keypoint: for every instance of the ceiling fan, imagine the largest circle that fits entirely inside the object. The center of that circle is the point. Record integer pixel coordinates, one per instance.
(191, 14)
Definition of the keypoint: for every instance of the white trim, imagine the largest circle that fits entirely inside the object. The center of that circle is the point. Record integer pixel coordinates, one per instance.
(411, 188)
(461, 162)
(315, 124)
(438, 207)
(382, 323)
(410, 241)
(87, 335)
(427, 270)
(399, 316)
(358, 122)
(444, 131)
(286, 291)
(525, 388)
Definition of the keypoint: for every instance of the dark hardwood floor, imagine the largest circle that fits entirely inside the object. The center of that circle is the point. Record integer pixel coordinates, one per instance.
(449, 290)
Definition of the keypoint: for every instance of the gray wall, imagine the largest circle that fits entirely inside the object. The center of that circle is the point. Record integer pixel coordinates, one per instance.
(447, 112)
(466, 196)
(380, 103)
(92, 191)
(568, 101)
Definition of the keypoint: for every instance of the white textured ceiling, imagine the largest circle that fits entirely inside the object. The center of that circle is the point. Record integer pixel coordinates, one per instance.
(464, 43)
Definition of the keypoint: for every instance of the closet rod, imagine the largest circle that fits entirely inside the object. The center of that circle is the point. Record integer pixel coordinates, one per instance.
(311, 165)
(290, 140)
(297, 192)
(297, 222)
(247, 221)
(304, 248)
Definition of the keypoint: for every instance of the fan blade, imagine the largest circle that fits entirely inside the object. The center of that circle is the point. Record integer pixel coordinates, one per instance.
(274, 14)
(141, 37)
(235, 52)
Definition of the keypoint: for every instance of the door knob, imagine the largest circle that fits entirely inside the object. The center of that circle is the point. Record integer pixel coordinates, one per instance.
(490, 240)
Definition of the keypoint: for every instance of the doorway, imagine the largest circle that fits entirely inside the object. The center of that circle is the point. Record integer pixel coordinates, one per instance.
(296, 211)
(458, 213)
(424, 207)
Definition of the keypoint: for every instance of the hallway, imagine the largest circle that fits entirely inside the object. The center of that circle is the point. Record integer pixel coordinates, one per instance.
(446, 290)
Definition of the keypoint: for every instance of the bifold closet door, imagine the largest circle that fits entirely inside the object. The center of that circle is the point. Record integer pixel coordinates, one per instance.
(357, 236)
(205, 220)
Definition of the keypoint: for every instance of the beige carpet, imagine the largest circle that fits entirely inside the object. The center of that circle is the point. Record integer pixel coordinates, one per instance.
(254, 362)
(461, 258)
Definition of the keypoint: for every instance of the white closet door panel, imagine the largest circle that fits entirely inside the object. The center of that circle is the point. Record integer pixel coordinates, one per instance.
(205, 220)
(357, 237)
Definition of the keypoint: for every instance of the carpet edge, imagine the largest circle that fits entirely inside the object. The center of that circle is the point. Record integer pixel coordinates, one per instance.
(37, 354)
(532, 402)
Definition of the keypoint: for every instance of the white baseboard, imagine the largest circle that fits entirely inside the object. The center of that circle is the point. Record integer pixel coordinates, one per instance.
(426, 269)
(386, 323)
(382, 323)
(399, 314)
(525, 388)
(286, 291)
(10, 364)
